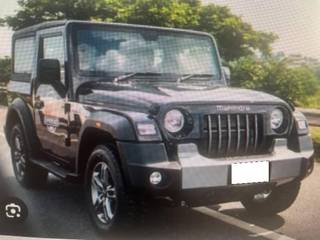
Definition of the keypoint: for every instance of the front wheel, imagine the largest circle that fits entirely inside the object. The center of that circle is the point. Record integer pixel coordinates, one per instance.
(28, 174)
(272, 201)
(105, 193)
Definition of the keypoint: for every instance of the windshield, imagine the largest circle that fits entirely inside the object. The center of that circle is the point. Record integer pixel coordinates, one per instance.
(145, 51)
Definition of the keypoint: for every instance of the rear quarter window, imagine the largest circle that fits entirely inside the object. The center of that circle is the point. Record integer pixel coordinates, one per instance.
(23, 55)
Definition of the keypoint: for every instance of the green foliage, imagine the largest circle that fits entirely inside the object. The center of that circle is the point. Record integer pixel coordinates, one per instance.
(5, 70)
(36, 11)
(317, 72)
(315, 134)
(275, 77)
(178, 14)
(312, 101)
(2, 22)
(5, 73)
(235, 37)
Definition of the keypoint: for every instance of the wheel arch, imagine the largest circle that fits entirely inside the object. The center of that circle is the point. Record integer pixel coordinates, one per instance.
(90, 138)
(19, 112)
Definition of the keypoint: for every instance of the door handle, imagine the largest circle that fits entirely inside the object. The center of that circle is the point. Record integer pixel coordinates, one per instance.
(38, 104)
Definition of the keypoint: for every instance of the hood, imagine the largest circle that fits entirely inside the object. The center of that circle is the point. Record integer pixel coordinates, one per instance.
(139, 96)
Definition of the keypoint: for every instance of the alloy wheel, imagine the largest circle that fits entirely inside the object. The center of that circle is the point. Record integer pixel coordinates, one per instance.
(19, 156)
(103, 193)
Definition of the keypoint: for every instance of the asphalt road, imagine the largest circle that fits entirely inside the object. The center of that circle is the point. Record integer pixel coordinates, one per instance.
(58, 211)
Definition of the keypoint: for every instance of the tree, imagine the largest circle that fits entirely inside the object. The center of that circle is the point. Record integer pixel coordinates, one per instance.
(36, 11)
(5, 70)
(317, 72)
(164, 13)
(235, 37)
(275, 77)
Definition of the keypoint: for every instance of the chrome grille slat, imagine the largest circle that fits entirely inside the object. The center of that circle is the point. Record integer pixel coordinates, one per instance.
(256, 134)
(247, 133)
(238, 133)
(229, 132)
(209, 134)
(235, 134)
(219, 133)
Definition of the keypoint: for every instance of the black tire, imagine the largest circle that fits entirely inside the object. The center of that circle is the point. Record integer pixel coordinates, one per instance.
(27, 174)
(103, 159)
(279, 199)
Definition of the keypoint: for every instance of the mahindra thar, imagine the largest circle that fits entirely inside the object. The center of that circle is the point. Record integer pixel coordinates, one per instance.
(133, 111)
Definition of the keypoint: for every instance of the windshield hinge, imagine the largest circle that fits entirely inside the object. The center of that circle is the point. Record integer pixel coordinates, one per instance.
(67, 108)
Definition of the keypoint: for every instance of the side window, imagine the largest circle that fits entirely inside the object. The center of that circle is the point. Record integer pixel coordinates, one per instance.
(53, 48)
(23, 55)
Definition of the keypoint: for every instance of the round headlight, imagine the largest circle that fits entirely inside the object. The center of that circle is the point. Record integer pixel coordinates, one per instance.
(276, 119)
(174, 121)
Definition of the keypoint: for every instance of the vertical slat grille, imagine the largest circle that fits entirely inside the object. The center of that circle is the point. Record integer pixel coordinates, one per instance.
(229, 133)
(234, 135)
(238, 133)
(256, 133)
(247, 133)
(219, 133)
(209, 134)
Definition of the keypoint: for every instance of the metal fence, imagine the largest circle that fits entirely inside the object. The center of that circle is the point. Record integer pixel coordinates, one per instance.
(313, 116)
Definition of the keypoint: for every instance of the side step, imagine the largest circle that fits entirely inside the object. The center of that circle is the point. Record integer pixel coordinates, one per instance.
(56, 169)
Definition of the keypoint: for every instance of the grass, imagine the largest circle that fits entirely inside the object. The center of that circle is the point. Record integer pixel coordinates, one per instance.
(315, 133)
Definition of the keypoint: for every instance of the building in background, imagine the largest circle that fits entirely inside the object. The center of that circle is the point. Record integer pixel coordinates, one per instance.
(298, 60)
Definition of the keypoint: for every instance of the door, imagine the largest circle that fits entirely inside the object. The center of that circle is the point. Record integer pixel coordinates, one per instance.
(51, 118)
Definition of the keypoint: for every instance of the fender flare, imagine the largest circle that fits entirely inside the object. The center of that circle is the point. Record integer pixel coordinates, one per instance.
(21, 109)
(118, 127)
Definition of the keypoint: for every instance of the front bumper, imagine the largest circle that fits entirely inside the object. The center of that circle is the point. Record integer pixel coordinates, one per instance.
(194, 172)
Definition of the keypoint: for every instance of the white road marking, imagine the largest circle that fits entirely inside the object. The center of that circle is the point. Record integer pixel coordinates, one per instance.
(256, 230)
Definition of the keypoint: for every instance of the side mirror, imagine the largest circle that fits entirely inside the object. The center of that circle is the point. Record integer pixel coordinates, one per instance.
(48, 71)
(227, 74)
(49, 74)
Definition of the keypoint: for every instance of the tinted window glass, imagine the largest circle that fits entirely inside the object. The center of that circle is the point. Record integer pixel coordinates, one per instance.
(146, 51)
(23, 55)
(53, 48)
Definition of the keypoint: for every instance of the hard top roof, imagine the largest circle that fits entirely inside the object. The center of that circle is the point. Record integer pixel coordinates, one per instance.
(50, 24)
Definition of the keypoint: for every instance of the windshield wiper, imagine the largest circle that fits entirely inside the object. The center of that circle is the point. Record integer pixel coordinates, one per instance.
(130, 75)
(124, 77)
(189, 76)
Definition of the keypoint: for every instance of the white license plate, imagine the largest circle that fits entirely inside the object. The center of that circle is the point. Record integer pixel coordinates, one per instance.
(249, 172)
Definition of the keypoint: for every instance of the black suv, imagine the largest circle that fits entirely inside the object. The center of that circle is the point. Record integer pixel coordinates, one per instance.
(135, 111)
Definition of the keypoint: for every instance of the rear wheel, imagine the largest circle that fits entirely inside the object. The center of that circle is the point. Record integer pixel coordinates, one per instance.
(28, 174)
(272, 201)
(105, 194)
